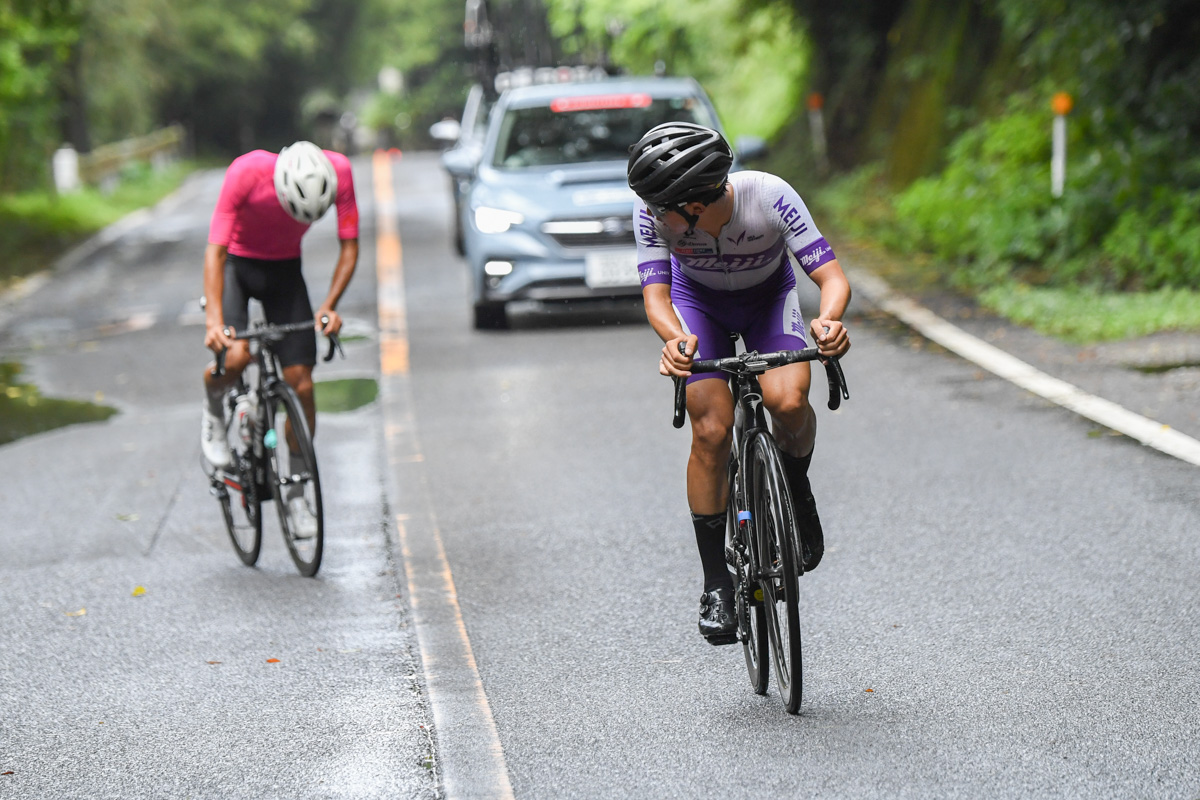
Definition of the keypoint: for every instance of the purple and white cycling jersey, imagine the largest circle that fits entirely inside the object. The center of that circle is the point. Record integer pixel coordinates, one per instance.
(742, 280)
(768, 216)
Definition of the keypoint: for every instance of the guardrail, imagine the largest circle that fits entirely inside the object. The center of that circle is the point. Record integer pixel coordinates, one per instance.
(102, 167)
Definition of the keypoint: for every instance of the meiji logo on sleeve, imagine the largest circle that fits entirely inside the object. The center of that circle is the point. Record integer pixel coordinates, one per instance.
(791, 217)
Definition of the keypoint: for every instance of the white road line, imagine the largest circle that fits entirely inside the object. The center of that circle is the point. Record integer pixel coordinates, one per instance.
(1147, 431)
(470, 757)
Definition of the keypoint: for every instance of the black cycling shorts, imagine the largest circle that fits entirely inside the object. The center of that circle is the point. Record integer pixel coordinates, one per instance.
(280, 287)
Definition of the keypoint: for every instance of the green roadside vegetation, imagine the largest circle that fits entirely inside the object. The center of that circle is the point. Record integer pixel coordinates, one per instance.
(943, 177)
(986, 226)
(36, 227)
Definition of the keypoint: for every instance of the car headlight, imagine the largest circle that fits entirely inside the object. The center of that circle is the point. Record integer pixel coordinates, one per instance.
(496, 220)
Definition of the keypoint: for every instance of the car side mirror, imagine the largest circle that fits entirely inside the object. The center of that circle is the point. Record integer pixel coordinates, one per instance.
(459, 162)
(750, 148)
(448, 130)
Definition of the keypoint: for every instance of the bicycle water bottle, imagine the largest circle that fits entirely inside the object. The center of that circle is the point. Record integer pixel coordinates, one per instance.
(243, 413)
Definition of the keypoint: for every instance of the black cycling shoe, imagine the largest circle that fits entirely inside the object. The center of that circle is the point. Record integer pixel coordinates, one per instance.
(718, 620)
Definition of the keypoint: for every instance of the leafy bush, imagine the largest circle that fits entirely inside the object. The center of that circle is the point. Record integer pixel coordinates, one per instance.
(1159, 245)
(990, 215)
(990, 210)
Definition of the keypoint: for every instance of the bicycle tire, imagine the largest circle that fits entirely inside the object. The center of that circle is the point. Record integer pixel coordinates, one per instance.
(244, 527)
(774, 527)
(752, 620)
(283, 407)
(245, 534)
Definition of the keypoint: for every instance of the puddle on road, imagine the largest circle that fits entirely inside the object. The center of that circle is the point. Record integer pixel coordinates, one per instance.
(345, 395)
(24, 411)
(1158, 369)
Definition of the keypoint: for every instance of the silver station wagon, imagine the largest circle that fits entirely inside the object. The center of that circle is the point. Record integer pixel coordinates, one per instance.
(548, 213)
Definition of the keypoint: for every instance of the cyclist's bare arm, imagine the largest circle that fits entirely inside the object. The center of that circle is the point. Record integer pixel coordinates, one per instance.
(661, 314)
(342, 273)
(215, 338)
(835, 297)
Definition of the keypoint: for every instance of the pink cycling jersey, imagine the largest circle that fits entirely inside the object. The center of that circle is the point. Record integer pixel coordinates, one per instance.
(250, 221)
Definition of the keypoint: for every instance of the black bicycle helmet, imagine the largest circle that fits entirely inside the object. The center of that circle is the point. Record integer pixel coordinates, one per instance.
(677, 163)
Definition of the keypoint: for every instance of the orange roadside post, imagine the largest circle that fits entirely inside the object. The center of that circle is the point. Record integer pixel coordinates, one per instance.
(1061, 105)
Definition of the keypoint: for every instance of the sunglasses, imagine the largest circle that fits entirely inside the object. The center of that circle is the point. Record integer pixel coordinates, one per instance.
(660, 211)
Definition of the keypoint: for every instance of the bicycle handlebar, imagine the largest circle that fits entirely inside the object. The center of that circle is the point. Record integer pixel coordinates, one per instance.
(273, 333)
(755, 363)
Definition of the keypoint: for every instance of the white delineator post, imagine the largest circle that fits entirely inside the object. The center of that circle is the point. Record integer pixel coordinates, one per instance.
(65, 166)
(1061, 105)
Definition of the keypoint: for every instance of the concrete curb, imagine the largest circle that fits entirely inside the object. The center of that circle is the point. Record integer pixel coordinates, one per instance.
(1147, 431)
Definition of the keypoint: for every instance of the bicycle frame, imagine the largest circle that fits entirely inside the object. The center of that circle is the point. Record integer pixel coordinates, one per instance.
(274, 454)
(767, 567)
(267, 379)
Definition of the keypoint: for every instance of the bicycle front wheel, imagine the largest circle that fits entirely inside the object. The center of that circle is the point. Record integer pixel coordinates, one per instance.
(752, 620)
(774, 526)
(242, 510)
(294, 480)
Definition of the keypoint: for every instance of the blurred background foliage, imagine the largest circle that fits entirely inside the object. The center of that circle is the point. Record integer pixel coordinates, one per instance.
(936, 111)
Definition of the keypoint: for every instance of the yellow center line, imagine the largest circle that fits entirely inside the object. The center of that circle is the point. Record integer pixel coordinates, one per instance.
(389, 270)
(469, 750)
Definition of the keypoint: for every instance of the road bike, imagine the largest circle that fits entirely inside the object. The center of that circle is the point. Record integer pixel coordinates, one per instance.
(762, 536)
(266, 428)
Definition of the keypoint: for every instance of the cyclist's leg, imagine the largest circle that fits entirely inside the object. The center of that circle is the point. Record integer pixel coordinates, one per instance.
(213, 444)
(710, 407)
(285, 299)
(786, 396)
(235, 311)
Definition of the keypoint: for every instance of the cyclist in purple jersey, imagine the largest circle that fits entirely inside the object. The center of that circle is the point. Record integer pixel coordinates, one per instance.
(713, 259)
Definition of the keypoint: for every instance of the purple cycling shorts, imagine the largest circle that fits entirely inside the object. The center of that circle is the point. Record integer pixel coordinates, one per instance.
(767, 316)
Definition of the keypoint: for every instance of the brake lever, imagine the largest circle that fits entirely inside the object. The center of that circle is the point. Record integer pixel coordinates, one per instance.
(219, 368)
(335, 344)
(680, 393)
(838, 390)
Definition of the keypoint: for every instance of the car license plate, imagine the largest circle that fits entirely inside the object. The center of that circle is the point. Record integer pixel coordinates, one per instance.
(610, 268)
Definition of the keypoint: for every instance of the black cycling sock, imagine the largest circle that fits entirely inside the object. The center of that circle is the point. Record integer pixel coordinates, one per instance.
(710, 541)
(811, 535)
(797, 473)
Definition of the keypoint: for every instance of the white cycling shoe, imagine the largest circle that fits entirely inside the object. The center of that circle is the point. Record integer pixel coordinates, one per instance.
(303, 521)
(212, 439)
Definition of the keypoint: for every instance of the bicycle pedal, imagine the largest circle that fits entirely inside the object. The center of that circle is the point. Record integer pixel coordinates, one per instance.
(725, 638)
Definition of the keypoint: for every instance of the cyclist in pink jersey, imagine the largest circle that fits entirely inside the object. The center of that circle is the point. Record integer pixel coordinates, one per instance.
(713, 259)
(266, 205)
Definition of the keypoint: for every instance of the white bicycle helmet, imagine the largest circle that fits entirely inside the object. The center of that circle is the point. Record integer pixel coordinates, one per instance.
(305, 182)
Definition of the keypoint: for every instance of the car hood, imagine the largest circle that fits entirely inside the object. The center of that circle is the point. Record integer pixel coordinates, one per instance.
(565, 191)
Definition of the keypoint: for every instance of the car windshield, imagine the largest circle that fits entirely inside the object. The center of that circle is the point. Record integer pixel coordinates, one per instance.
(573, 130)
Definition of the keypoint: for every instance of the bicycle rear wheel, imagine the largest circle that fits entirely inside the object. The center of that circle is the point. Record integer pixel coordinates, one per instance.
(774, 526)
(243, 514)
(752, 620)
(287, 436)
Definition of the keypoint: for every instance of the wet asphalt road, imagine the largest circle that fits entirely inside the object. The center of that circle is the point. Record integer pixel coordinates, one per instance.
(1008, 607)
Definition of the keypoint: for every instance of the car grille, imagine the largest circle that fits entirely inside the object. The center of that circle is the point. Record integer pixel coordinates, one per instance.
(591, 232)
